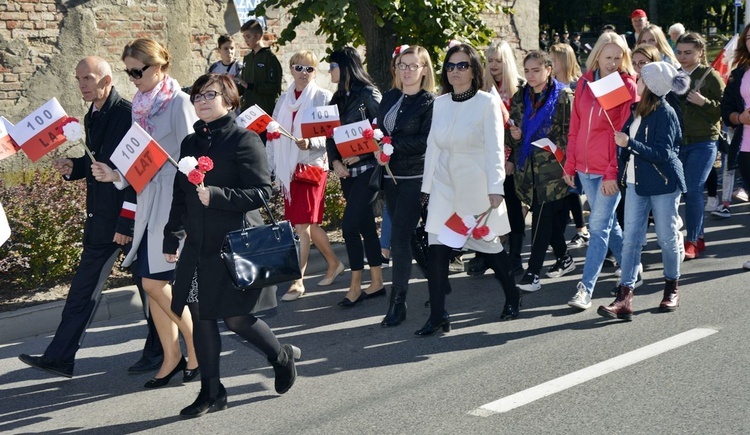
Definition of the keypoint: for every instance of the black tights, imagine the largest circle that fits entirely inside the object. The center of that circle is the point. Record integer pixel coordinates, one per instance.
(438, 257)
(208, 340)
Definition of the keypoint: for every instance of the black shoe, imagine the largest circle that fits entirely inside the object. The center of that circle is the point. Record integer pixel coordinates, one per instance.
(213, 397)
(431, 327)
(49, 365)
(477, 266)
(146, 364)
(510, 311)
(283, 367)
(396, 310)
(346, 303)
(160, 382)
(188, 375)
(376, 294)
(562, 266)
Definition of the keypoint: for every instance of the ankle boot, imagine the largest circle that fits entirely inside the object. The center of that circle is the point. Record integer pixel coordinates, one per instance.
(212, 397)
(622, 307)
(396, 309)
(284, 369)
(671, 299)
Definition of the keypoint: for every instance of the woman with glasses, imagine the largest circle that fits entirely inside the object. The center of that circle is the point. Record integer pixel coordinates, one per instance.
(405, 116)
(357, 99)
(165, 112)
(204, 214)
(301, 168)
(464, 175)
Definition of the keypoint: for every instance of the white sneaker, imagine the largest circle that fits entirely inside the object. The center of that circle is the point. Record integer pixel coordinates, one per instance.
(680, 222)
(529, 282)
(582, 299)
(746, 266)
(740, 194)
(712, 203)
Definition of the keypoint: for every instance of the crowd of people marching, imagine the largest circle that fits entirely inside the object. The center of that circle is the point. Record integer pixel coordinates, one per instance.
(484, 142)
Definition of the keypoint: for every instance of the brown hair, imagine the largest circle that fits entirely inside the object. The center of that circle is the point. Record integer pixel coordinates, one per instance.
(149, 52)
(226, 85)
(741, 53)
(648, 103)
(699, 43)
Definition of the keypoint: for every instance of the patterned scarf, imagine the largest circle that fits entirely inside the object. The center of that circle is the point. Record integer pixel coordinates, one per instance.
(147, 105)
(537, 117)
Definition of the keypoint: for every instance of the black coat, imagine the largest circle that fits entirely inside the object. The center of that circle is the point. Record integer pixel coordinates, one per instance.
(409, 135)
(104, 200)
(731, 102)
(361, 103)
(239, 167)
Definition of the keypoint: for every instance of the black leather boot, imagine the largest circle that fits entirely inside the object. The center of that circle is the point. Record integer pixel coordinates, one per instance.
(213, 397)
(283, 367)
(396, 309)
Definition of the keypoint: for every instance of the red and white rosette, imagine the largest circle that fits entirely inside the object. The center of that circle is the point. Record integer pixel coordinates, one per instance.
(456, 230)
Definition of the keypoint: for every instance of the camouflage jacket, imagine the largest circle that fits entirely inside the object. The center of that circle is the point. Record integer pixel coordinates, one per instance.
(541, 174)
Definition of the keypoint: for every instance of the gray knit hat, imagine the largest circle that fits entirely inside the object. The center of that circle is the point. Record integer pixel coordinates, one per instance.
(661, 78)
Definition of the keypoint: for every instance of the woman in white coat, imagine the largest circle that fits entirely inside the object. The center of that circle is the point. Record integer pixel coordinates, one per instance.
(464, 174)
(165, 112)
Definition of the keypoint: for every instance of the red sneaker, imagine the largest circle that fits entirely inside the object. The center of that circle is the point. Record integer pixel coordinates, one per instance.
(691, 250)
(701, 245)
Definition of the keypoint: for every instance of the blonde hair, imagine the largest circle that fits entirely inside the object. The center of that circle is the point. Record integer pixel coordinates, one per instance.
(564, 55)
(303, 56)
(428, 79)
(610, 38)
(661, 42)
(149, 52)
(511, 75)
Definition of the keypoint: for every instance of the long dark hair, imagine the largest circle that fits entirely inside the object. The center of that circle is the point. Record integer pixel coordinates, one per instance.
(648, 103)
(351, 70)
(477, 69)
(741, 53)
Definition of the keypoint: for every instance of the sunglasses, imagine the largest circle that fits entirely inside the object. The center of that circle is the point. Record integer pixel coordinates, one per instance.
(410, 67)
(136, 73)
(307, 69)
(332, 66)
(461, 66)
(208, 96)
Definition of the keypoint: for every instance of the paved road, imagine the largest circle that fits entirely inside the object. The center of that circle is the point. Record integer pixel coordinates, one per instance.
(358, 378)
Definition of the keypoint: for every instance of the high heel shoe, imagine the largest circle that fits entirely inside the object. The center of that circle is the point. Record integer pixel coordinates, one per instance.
(431, 327)
(160, 382)
(346, 303)
(190, 374)
(328, 281)
(212, 398)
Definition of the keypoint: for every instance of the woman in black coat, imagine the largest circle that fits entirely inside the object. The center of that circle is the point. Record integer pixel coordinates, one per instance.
(205, 214)
(405, 116)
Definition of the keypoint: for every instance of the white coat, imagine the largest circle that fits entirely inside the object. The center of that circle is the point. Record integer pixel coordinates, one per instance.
(464, 163)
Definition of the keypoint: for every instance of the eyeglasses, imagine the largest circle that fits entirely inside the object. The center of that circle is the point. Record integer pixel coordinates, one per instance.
(332, 66)
(640, 64)
(136, 73)
(307, 69)
(410, 67)
(462, 66)
(208, 96)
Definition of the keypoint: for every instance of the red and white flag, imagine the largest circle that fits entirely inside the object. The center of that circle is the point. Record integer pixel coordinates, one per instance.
(8, 146)
(41, 132)
(138, 157)
(319, 121)
(350, 140)
(128, 210)
(4, 226)
(550, 146)
(725, 58)
(610, 91)
(254, 119)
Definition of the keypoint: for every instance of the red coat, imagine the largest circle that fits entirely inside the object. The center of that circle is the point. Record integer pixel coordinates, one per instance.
(591, 140)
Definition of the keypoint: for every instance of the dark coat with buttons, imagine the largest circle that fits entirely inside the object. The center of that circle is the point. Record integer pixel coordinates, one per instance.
(656, 147)
(409, 135)
(104, 200)
(240, 168)
(731, 102)
(360, 103)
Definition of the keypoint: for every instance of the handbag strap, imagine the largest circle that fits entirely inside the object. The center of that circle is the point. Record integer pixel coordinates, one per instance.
(265, 204)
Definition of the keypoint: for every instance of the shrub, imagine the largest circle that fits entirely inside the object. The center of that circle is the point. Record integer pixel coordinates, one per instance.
(46, 216)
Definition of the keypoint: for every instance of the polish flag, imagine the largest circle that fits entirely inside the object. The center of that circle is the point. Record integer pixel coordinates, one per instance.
(550, 146)
(254, 119)
(610, 91)
(319, 121)
(128, 210)
(4, 226)
(138, 157)
(41, 132)
(725, 58)
(8, 146)
(457, 230)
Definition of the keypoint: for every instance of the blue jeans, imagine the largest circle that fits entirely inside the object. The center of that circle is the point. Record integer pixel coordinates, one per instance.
(697, 160)
(665, 212)
(385, 228)
(604, 229)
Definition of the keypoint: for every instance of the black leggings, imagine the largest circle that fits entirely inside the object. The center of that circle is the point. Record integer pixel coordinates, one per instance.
(712, 182)
(438, 257)
(576, 209)
(358, 222)
(208, 340)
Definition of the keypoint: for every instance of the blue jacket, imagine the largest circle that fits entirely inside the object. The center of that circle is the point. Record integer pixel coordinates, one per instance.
(656, 148)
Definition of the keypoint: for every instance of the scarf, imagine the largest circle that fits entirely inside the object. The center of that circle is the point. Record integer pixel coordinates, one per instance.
(147, 105)
(286, 152)
(537, 117)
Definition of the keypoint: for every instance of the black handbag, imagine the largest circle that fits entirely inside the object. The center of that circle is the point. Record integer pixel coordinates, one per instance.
(262, 256)
(376, 179)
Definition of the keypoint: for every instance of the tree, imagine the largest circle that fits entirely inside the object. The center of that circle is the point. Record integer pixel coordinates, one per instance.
(381, 25)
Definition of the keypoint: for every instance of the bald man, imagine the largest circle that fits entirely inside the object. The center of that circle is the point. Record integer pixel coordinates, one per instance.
(109, 219)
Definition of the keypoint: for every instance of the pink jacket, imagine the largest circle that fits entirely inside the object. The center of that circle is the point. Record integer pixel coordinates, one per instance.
(591, 142)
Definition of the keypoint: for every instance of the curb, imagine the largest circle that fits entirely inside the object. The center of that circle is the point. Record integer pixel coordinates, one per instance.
(44, 318)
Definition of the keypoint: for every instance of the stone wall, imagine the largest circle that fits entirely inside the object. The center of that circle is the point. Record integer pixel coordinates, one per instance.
(41, 41)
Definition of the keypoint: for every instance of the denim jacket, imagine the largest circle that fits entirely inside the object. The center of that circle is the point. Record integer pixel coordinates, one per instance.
(656, 148)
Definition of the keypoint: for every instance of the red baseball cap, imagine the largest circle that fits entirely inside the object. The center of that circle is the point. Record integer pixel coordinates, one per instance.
(638, 13)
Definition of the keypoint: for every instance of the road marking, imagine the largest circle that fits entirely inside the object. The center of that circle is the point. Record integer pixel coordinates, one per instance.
(562, 383)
